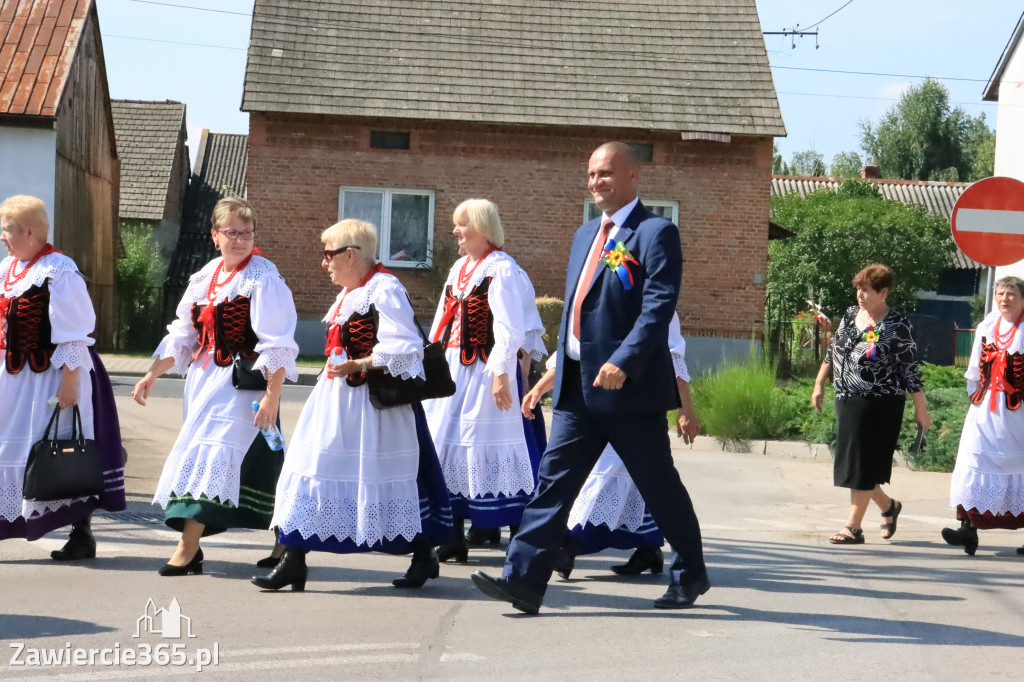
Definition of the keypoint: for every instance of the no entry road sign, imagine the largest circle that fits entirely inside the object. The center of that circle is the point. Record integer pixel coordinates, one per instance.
(988, 221)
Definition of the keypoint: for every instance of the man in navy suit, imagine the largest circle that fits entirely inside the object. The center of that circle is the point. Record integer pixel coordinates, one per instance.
(614, 383)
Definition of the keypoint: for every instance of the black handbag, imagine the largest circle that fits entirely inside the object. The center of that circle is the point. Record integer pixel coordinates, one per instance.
(390, 391)
(61, 469)
(245, 378)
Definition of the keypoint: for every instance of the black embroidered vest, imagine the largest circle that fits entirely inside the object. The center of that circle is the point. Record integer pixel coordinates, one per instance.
(477, 331)
(232, 331)
(28, 330)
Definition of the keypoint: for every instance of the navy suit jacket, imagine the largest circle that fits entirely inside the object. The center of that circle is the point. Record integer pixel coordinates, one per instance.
(627, 328)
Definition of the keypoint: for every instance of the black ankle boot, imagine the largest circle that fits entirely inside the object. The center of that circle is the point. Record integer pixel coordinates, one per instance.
(275, 556)
(291, 571)
(80, 545)
(457, 548)
(425, 565)
(964, 536)
(483, 536)
(642, 560)
(566, 560)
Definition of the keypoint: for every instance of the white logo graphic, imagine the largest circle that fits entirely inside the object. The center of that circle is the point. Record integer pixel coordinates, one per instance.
(170, 621)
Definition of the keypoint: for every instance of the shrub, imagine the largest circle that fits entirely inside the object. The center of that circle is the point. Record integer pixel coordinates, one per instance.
(550, 309)
(139, 277)
(947, 407)
(740, 402)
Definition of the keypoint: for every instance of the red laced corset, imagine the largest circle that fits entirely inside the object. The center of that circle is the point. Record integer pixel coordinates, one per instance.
(1001, 372)
(471, 324)
(26, 338)
(357, 336)
(225, 329)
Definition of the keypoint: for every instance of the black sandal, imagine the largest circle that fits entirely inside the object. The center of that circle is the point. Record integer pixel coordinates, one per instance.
(856, 537)
(895, 507)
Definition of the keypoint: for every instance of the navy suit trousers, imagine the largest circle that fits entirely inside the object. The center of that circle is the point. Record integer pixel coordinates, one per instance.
(578, 436)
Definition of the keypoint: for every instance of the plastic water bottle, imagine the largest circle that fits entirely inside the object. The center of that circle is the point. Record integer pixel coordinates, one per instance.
(274, 438)
(336, 357)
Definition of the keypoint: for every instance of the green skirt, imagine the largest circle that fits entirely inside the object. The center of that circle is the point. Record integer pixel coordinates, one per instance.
(261, 468)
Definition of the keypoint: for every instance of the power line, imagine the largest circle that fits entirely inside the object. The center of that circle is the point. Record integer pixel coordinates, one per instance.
(176, 42)
(828, 17)
(873, 73)
(199, 9)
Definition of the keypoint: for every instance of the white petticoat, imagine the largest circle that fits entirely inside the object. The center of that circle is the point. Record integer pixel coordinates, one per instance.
(609, 496)
(989, 472)
(350, 470)
(482, 450)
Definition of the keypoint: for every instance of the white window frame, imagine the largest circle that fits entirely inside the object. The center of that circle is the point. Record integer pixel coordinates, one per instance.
(384, 229)
(649, 203)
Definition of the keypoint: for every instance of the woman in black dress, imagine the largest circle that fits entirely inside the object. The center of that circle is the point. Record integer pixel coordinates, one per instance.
(873, 364)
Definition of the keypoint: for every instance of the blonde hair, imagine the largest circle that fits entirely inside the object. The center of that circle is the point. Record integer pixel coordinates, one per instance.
(482, 216)
(22, 210)
(233, 207)
(353, 232)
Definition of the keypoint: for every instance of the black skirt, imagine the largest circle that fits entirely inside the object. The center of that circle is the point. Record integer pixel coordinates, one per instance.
(867, 431)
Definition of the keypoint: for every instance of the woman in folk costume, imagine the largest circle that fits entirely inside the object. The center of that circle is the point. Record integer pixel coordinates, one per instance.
(221, 471)
(481, 440)
(358, 478)
(46, 317)
(609, 511)
(987, 488)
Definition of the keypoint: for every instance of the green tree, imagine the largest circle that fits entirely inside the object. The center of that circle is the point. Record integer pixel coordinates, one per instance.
(846, 165)
(779, 166)
(139, 277)
(980, 149)
(837, 234)
(922, 137)
(810, 163)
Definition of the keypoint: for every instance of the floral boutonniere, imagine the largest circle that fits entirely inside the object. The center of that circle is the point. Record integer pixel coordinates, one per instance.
(618, 258)
(870, 337)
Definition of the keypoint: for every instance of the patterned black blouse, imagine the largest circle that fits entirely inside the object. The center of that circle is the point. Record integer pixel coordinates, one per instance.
(892, 371)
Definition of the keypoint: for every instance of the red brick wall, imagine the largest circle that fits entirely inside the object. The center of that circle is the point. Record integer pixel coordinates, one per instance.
(537, 177)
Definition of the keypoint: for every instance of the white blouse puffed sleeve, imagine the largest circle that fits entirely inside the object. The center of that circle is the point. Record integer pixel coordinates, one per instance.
(973, 373)
(72, 319)
(181, 340)
(439, 315)
(273, 317)
(505, 301)
(677, 347)
(552, 361)
(533, 344)
(399, 348)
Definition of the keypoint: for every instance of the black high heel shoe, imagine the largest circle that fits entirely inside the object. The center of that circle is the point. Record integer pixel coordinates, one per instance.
(194, 566)
(964, 536)
(423, 567)
(291, 571)
(642, 560)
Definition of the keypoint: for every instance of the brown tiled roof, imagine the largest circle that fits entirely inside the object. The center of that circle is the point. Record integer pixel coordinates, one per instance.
(148, 135)
(38, 39)
(679, 65)
(935, 197)
(219, 171)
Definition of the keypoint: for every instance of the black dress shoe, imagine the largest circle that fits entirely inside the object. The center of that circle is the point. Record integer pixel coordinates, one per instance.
(964, 536)
(291, 571)
(565, 562)
(683, 595)
(642, 560)
(483, 536)
(502, 590)
(80, 545)
(194, 566)
(420, 570)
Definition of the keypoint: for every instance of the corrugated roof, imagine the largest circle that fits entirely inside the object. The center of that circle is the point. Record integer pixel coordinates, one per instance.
(936, 197)
(148, 136)
(219, 171)
(38, 39)
(692, 65)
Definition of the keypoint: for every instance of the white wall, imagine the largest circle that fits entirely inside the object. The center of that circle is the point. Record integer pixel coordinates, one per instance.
(28, 164)
(1010, 135)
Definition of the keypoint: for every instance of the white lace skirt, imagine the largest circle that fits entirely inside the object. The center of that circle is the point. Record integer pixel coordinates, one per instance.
(989, 472)
(207, 456)
(350, 470)
(608, 497)
(482, 450)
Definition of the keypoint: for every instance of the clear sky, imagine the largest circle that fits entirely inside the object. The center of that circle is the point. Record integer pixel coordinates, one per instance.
(155, 51)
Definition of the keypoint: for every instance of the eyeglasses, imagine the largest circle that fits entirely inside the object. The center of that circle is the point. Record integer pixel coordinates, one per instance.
(235, 234)
(331, 253)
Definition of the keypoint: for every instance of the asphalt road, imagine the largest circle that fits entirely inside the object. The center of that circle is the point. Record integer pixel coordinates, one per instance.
(784, 603)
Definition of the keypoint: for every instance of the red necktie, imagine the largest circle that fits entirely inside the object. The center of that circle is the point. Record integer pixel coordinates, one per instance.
(588, 275)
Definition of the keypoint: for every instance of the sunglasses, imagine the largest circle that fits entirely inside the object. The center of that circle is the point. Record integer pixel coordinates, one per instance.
(331, 253)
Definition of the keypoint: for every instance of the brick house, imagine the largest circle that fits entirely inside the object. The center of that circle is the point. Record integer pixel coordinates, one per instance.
(57, 134)
(154, 166)
(397, 111)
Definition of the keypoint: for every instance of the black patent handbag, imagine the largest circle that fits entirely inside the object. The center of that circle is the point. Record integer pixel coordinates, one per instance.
(245, 378)
(61, 469)
(389, 391)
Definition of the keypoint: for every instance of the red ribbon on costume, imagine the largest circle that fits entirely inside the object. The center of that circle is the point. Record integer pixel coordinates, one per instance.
(451, 305)
(206, 318)
(998, 381)
(4, 305)
(334, 329)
